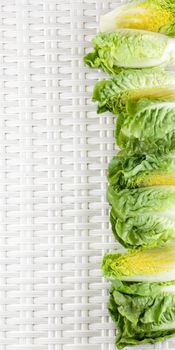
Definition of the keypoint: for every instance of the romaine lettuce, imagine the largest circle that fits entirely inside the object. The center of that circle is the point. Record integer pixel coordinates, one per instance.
(142, 312)
(143, 217)
(130, 48)
(144, 231)
(151, 15)
(144, 200)
(152, 265)
(113, 94)
(148, 125)
(140, 170)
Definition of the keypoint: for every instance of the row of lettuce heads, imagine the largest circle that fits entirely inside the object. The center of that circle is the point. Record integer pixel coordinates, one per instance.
(134, 45)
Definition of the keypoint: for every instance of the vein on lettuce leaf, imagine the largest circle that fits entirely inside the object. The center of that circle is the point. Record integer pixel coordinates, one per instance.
(143, 217)
(147, 125)
(142, 312)
(113, 94)
(151, 15)
(130, 48)
(151, 265)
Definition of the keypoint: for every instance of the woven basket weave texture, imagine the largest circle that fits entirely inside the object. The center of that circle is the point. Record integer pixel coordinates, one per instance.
(54, 151)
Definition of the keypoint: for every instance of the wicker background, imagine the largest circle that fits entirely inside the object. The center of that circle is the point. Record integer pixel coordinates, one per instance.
(54, 151)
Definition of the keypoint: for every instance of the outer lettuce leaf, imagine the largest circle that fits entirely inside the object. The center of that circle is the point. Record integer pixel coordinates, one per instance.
(151, 15)
(130, 171)
(152, 265)
(130, 48)
(147, 126)
(143, 217)
(142, 312)
(113, 94)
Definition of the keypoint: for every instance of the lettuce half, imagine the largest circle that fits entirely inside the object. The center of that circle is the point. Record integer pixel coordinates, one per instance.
(151, 15)
(131, 203)
(152, 265)
(113, 94)
(130, 48)
(143, 231)
(143, 312)
(140, 170)
(143, 217)
(148, 125)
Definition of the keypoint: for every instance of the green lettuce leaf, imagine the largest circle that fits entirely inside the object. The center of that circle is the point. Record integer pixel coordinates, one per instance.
(113, 94)
(151, 15)
(130, 48)
(148, 125)
(142, 312)
(152, 265)
(140, 170)
(143, 217)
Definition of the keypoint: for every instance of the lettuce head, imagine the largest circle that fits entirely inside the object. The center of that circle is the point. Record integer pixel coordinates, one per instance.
(143, 217)
(130, 48)
(151, 15)
(141, 170)
(143, 312)
(151, 265)
(113, 94)
(147, 125)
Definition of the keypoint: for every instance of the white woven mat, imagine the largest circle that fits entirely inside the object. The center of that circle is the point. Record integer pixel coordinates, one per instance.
(54, 149)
